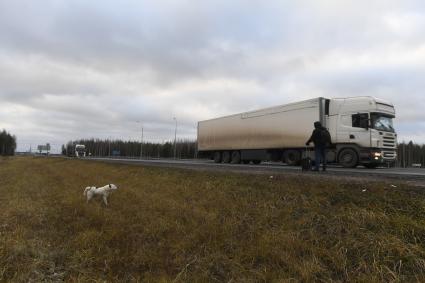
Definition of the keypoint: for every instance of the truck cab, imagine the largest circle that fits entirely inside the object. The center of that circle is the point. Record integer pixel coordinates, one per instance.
(362, 131)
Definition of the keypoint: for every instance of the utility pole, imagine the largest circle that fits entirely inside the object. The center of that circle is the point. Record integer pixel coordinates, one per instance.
(175, 138)
(404, 155)
(109, 151)
(195, 146)
(141, 146)
(141, 141)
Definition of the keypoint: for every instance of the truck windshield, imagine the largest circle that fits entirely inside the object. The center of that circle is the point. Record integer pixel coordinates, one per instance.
(382, 122)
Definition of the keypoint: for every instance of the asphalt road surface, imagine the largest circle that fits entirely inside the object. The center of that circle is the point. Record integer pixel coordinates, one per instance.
(412, 174)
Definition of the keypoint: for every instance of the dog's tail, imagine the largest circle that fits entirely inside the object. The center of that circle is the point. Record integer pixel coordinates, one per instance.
(86, 189)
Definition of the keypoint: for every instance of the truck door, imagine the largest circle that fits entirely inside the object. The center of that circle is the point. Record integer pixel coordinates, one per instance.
(353, 128)
(359, 133)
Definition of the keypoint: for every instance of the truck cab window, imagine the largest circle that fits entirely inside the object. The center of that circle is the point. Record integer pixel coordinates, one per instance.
(360, 120)
(382, 122)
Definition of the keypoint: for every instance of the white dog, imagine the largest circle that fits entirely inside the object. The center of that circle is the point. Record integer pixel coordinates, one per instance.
(104, 191)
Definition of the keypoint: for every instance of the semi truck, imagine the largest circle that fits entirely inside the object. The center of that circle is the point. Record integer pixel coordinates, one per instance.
(361, 130)
(80, 150)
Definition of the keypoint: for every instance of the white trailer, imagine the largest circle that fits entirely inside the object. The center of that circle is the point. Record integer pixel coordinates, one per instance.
(361, 130)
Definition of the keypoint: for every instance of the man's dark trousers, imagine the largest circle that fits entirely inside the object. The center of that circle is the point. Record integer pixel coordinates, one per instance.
(320, 156)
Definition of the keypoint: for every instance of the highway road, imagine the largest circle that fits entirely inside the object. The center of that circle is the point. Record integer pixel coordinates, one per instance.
(413, 174)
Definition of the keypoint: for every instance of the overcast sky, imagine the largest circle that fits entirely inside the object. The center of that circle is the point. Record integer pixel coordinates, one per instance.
(80, 69)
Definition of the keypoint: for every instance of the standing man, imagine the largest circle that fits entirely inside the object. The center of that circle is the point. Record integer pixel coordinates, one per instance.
(321, 139)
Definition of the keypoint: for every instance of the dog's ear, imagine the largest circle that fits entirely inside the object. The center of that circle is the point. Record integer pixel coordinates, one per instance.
(109, 185)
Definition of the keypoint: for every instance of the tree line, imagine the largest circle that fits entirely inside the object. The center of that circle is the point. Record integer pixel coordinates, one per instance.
(184, 149)
(7, 143)
(409, 154)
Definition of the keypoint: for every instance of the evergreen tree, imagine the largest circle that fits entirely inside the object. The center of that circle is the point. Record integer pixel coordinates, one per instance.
(7, 143)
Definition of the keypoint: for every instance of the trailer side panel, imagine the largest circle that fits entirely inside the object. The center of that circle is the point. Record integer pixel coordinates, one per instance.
(285, 126)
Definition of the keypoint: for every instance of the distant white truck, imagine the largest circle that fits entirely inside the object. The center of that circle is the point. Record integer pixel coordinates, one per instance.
(361, 129)
(80, 150)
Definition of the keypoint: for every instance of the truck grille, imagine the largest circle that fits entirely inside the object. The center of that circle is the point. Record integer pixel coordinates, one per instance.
(389, 140)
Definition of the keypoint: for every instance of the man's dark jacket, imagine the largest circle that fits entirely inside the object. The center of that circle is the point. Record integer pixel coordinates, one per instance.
(320, 135)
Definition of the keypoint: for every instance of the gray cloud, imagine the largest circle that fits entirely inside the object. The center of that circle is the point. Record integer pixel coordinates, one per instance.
(71, 69)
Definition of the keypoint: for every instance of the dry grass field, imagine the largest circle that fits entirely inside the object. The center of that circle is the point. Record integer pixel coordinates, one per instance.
(171, 225)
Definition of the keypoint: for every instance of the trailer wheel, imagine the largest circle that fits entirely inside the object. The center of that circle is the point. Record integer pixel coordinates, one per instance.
(256, 162)
(292, 157)
(217, 157)
(236, 157)
(245, 161)
(348, 158)
(225, 157)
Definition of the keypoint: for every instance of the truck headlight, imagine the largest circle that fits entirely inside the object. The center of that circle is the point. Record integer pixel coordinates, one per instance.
(376, 155)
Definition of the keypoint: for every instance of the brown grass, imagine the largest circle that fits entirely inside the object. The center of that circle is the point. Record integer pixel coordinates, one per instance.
(170, 225)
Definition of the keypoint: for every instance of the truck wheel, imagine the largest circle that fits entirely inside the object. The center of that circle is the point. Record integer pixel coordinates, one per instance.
(236, 157)
(348, 158)
(217, 157)
(245, 161)
(225, 157)
(292, 157)
(256, 162)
